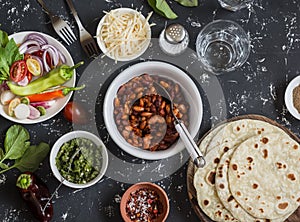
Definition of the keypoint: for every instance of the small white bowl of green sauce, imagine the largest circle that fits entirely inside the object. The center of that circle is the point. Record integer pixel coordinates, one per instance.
(79, 159)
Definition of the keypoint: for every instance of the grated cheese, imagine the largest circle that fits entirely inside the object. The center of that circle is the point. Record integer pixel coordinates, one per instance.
(125, 34)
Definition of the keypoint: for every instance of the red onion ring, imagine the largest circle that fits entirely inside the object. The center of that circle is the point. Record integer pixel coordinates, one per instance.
(46, 66)
(24, 46)
(61, 57)
(37, 37)
(32, 49)
(53, 52)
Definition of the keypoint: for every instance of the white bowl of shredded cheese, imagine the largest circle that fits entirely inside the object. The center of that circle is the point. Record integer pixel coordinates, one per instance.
(123, 34)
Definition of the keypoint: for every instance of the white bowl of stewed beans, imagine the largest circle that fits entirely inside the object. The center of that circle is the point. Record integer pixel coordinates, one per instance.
(140, 120)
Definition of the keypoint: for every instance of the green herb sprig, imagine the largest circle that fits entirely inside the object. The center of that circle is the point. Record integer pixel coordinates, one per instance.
(17, 148)
(9, 53)
(162, 8)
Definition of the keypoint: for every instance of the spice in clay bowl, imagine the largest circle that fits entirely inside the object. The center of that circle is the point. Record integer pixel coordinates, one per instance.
(144, 202)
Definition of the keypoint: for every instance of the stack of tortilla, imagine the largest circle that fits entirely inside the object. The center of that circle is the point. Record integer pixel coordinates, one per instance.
(252, 173)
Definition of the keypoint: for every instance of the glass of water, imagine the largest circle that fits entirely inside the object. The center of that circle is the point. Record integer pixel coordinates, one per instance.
(222, 46)
(234, 5)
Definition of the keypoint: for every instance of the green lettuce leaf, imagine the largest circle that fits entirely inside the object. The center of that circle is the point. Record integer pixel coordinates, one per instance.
(32, 158)
(16, 142)
(162, 8)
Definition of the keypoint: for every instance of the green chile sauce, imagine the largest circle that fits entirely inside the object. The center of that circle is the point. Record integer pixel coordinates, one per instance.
(79, 160)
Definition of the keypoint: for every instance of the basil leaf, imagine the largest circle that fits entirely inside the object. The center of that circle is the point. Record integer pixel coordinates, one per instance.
(32, 158)
(3, 38)
(12, 52)
(16, 142)
(3, 166)
(162, 8)
(188, 3)
(1, 153)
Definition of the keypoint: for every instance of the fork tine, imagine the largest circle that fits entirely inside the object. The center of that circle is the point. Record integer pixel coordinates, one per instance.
(95, 48)
(92, 50)
(70, 38)
(71, 33)
(64, 36)
(88, 50)
(61, 35)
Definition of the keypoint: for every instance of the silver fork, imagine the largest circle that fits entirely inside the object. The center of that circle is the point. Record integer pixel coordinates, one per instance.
(87, 41)
(60, 26)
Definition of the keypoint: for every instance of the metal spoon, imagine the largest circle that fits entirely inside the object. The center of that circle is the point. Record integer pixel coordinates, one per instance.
(184, 134)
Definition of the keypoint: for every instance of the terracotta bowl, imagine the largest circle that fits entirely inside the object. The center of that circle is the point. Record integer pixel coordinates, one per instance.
(151, 186)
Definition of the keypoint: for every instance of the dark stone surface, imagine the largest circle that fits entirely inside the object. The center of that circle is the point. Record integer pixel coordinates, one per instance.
(257, 87)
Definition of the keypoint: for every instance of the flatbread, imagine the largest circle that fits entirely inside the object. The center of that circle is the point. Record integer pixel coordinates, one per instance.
(264, 175)
(238, 131)
(225, 138)
(224, 194)
(226, 197)
(208, 200)
(207, 139)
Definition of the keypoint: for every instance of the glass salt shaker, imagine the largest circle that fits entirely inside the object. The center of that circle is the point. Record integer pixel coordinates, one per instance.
(174, 39)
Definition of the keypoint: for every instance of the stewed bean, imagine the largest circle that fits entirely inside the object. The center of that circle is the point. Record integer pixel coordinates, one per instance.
(143, 117)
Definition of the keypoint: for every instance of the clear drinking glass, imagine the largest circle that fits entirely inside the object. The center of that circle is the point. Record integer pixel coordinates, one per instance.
(234, 5)
(222, 46)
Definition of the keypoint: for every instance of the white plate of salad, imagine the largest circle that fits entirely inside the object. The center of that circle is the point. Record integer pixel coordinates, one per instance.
(29, 94)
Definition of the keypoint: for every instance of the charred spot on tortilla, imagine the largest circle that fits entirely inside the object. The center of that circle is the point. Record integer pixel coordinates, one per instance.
(255, 186)
(238, 128)
(256, 145)
(219, 213)
(265, 140)
(217, 160)
(212, 178)
(206, 202)
(279, 165)
(238, 193)
(283, 206)
(291, 176)
(225, 149)
(234, 167)
(295, 147)
(265, 152)
(222, 186)
(250, 159)
(230, 198)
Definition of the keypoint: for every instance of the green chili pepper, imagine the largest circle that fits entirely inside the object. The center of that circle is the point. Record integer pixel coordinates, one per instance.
(55, 77)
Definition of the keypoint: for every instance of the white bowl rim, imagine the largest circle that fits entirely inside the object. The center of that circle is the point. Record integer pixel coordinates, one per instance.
(60, 103)
(288, 97)
(103, 48)
(109, 117)
(67, 137)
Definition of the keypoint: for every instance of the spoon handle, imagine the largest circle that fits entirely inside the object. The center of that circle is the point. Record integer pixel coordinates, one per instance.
(190, 144)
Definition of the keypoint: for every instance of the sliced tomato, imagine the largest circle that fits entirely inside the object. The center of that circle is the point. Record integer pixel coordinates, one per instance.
(29, 76)
(27, 56)
(18, 71)
(33, 66)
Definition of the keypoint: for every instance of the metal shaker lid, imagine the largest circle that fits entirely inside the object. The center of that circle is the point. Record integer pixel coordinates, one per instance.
(175, 33)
